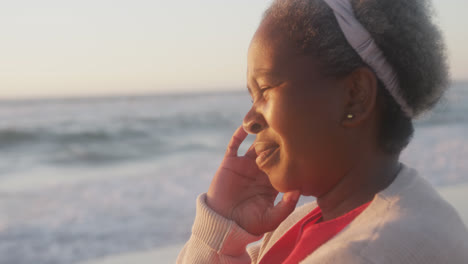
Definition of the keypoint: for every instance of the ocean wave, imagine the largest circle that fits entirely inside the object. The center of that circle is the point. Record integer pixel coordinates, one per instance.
(119, 129)
(12, 137)
(100, 147)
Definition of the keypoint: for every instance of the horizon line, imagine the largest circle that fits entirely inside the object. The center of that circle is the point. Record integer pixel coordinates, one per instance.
(122, 95)
(98, 96)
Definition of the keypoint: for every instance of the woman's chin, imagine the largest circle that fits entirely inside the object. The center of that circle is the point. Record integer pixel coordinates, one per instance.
(281, 183)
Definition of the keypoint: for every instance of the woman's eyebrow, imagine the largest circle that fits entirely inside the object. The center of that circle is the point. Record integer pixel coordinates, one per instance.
(263, 72)
(268, 74)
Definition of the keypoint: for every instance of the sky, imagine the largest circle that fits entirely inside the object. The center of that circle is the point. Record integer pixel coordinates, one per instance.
(57, 48)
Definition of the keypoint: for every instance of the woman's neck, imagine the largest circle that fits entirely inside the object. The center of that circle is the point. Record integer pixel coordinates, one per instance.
(359, 185)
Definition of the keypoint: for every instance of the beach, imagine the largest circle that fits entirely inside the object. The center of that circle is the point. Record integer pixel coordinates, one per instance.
(455, 195)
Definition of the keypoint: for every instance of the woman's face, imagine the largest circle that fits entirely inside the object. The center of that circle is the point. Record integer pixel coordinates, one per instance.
(296, 114)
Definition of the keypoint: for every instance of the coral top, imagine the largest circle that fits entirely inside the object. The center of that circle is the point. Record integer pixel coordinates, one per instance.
(307, 235)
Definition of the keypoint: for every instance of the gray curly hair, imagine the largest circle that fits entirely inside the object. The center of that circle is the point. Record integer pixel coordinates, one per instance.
(403, 30)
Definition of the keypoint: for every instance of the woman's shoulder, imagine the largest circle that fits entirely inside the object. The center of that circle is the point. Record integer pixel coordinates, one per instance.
(412, 198)
(409, 222)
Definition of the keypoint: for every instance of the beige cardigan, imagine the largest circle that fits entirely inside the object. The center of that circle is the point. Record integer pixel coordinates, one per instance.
(406, 223)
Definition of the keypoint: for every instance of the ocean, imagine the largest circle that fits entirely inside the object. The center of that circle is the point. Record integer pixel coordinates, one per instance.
(85, 178)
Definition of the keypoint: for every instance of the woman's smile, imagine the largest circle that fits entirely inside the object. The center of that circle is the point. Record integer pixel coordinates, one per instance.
(267, 153)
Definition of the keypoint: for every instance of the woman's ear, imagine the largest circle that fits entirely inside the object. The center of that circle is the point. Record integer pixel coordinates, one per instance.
(361, 95)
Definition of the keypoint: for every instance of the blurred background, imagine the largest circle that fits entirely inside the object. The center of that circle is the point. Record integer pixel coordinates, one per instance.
(114, 116)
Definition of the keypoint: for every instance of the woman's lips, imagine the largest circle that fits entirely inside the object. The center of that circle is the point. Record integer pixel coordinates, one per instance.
(264, 152)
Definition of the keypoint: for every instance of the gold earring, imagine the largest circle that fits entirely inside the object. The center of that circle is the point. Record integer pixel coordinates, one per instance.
(350, 116)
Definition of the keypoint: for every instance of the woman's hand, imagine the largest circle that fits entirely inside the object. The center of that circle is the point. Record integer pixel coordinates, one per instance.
(240, 191)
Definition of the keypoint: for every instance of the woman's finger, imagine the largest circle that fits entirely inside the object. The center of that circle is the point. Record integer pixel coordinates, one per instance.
(243, 167)
(284, 208)
(236, 140)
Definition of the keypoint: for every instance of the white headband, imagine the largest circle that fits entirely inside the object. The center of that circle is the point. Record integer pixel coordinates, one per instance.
(361, 41)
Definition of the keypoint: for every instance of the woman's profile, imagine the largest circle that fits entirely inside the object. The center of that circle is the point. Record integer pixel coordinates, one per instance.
(335, 87)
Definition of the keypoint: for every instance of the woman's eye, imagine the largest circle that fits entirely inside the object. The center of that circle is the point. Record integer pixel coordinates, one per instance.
(263, 90)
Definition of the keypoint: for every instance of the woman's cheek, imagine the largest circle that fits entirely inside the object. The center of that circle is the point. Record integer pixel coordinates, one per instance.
(268, 110)
(275, 114)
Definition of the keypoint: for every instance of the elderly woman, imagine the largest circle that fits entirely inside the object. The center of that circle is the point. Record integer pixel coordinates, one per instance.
(335, 85)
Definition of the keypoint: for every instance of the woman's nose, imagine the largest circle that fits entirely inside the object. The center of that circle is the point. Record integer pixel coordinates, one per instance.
(253, 122)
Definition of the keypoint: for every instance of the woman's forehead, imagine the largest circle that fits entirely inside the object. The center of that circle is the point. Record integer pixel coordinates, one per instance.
(269, 34)
(270, 47)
